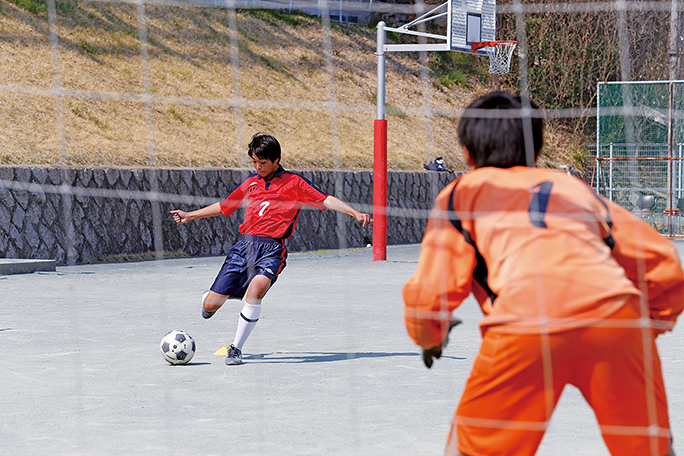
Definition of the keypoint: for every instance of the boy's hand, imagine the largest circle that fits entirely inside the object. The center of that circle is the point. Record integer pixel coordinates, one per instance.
(180, 216)
(430, 353)
(436, 352)
(364, 219)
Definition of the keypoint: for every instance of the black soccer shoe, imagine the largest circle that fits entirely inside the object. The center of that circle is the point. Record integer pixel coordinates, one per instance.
(234, 356)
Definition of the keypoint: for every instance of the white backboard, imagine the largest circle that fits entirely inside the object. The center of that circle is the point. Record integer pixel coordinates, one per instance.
(471, 21)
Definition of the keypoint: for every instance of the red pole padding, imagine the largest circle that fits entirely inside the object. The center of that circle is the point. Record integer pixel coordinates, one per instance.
(380, 190)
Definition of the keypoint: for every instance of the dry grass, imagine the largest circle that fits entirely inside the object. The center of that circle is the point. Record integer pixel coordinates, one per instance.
(282, 78)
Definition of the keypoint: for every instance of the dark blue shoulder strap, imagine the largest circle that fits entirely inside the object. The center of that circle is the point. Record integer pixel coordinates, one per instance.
(480, 272)
(608, 239)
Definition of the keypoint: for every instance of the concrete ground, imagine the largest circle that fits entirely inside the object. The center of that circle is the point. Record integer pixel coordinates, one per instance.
(328, 370)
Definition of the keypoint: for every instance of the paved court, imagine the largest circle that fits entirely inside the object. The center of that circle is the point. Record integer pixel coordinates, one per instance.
(328, 370)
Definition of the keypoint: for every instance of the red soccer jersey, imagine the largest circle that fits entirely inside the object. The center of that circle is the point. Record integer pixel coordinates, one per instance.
(273, 207)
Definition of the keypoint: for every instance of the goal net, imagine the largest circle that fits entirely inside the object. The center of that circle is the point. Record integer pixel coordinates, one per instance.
(113, 113)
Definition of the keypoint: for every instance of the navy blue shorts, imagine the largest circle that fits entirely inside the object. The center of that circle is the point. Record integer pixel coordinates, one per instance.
(250, 256)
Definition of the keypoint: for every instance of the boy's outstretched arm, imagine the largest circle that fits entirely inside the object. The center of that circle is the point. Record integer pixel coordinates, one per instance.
(208, 211)
(337, 205)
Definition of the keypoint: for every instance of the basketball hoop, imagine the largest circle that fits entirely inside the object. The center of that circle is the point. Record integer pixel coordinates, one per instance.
(499, 53)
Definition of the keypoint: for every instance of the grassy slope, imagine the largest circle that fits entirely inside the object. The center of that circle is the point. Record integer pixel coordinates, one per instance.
(283, 79)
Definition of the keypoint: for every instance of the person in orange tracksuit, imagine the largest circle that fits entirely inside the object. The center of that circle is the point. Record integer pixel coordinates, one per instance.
(573, 288)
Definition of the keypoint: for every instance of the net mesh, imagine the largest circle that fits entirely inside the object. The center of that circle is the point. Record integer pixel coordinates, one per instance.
(500, 57)
(149, 102)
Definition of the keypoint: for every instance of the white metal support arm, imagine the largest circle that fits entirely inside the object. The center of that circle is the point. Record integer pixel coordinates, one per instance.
(406, 30)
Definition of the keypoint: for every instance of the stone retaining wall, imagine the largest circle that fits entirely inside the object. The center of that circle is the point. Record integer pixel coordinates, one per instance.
(76, 215)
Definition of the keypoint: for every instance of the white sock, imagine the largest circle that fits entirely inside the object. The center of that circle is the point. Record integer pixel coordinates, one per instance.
(246, 322)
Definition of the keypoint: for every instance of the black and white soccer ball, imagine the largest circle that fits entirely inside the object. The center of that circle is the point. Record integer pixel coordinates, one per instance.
(177, 347)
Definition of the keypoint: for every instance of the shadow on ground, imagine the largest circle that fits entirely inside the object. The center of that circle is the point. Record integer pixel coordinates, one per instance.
(313, 357)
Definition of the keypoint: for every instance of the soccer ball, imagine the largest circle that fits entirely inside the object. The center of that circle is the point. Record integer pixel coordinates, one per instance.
(177, 347)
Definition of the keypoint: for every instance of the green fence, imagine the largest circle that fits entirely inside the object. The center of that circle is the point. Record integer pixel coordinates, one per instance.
(640, 149)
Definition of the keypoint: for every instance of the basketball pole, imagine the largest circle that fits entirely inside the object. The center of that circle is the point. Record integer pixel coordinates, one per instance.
(464, 26)
(380, 157)
(380, 124)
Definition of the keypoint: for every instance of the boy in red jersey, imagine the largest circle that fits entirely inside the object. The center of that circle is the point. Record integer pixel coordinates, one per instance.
(274, 200)
(573, 288)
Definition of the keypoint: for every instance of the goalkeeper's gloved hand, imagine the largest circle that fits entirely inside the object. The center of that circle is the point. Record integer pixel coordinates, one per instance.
(429, 354)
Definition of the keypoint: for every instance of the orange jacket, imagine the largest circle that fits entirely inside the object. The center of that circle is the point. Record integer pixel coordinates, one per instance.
(541, 252)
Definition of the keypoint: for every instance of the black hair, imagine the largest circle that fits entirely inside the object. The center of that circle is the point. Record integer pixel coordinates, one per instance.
(499, 141)
(264, 147)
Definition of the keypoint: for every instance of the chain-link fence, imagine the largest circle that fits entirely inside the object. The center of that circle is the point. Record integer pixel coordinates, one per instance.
(640, 150)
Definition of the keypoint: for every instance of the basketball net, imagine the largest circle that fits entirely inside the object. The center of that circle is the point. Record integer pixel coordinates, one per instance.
(499, 53)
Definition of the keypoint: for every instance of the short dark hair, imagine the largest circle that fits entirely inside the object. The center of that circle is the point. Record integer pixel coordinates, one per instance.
(500, 141)
(265, 147)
